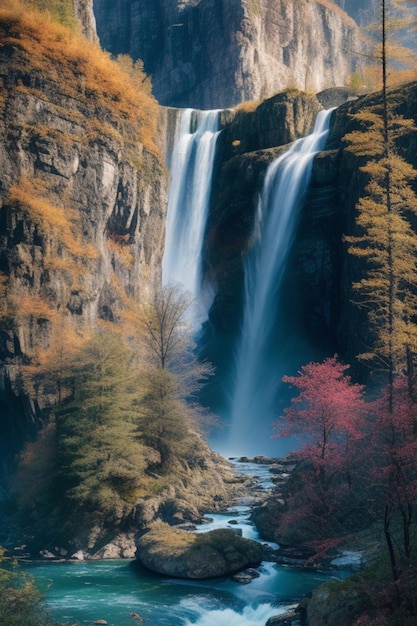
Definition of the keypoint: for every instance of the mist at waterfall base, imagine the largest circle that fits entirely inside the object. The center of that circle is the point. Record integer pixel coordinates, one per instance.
(271, 345)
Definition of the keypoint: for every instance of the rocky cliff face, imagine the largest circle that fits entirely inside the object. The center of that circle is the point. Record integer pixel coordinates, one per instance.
(215, 54)
(84, 13)
(82, 205)
(317, 285)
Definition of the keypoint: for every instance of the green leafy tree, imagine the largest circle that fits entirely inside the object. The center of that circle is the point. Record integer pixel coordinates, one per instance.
(101, 460)
(171, 417)
(168, 424)
(47, 373)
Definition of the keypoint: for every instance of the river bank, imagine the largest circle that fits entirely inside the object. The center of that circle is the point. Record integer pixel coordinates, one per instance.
(81, 592)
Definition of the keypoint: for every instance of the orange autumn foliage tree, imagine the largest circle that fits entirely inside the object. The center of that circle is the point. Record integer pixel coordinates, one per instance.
(394, 48)
(48, 370)
(52, 50)
(387, 243)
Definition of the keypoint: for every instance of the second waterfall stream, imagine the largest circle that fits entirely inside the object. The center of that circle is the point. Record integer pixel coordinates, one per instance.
(253, 406)
(259, 359)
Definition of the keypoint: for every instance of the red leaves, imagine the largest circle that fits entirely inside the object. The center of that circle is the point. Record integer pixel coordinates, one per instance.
(327, 409)
(394, 442)
(358, 459)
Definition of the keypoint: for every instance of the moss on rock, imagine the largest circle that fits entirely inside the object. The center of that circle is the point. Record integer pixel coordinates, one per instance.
(174, 552)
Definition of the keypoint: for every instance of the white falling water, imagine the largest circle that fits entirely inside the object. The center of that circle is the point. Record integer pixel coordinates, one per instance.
(257, 372)
(189, 196)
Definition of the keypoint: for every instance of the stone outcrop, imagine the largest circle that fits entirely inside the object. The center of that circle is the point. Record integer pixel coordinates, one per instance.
(292, 617)
(84, 13)
(180, 553)
(217, 53)
(336, 604)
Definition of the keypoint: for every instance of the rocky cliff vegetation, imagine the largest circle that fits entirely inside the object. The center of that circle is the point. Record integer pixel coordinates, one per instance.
(218, 54)
(82, 197)
(82, 210)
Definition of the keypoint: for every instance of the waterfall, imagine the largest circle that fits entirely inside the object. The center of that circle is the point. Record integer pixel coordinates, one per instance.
(188, 202)
(258, 370)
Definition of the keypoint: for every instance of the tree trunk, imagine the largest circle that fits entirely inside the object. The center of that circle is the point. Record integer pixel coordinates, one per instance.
(390, 544)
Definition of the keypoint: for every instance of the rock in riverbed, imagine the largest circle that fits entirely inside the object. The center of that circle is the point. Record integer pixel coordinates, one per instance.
(174, 552)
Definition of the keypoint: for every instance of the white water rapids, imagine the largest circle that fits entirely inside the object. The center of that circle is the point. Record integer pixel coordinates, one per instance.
(86, 591)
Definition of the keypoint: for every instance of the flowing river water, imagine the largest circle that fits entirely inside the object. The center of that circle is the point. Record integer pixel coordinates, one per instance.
(83, 592)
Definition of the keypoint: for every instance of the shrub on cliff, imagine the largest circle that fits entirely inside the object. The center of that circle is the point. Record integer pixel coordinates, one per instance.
(40, 49)
(171, 375)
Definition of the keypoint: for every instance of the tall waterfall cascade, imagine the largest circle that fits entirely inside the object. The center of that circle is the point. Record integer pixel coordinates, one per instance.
(258, 368)
(191, 171)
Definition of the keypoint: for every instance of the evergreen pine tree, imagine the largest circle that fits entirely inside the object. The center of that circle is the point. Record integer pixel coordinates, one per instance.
(101, 460)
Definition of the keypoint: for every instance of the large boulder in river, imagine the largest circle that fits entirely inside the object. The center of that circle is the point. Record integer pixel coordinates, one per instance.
(175, 552)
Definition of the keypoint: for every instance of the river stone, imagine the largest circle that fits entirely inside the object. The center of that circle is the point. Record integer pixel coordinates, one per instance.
(246, 576)
(283, 620)
(289, 618)
(174, 552)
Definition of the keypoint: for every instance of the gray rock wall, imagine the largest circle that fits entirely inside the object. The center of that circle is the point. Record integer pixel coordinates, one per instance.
(218, 53)
(82, 216)
(84, 13)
